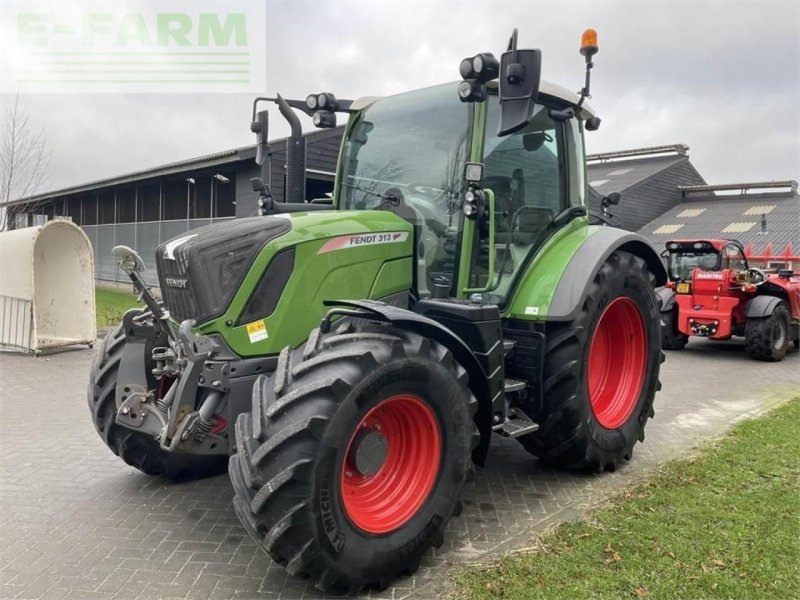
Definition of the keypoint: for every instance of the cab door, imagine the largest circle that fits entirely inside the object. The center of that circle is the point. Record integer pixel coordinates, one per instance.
(527, 173)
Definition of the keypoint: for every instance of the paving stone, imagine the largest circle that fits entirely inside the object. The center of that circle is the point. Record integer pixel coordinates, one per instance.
(76, 522)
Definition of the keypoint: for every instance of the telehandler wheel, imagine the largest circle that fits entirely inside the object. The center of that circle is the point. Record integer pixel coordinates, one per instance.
(671, 338)
(354, 457)
(137, 449)
(768, 338)
(601, 372)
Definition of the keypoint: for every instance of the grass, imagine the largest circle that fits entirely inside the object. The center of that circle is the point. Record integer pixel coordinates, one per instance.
(110, 306)
(724, 524)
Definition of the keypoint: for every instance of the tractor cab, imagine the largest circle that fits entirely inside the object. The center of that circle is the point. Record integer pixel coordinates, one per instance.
(410, 154)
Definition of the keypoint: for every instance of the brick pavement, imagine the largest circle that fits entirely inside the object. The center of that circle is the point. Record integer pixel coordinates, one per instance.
(77, 523)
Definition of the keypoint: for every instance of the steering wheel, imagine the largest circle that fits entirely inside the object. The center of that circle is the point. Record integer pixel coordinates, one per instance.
(756, 276)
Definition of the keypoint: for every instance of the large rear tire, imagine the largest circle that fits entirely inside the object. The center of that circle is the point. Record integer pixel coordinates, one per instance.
(601, 372)
(355, 455)
(768, 338)
(136, 449)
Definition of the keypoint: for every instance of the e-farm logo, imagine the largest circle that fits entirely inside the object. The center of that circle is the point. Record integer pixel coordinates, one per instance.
(164, 46)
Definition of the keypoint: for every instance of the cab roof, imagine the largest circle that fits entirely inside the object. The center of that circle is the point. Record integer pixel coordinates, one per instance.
(717, 243)
(545, 87)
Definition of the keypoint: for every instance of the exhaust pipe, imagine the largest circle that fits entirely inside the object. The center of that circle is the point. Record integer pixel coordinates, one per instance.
(295, 155)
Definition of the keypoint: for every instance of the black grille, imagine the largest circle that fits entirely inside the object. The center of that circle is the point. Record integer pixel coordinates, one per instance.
(176, 290)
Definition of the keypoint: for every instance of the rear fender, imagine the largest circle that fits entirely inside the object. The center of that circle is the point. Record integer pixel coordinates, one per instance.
(585, 251)
(427, 327)
(761, 306)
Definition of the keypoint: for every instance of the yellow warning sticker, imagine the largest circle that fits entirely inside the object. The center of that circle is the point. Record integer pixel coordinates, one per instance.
(257, 331)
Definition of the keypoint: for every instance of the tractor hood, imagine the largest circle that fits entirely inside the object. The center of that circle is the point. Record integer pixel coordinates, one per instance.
(278, 271)
(200, 271)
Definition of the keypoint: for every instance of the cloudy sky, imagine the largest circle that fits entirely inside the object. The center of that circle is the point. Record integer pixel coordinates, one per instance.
(722, 76)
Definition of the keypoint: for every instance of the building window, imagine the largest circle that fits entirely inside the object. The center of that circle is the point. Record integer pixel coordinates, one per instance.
(89, 206)
(200, 198)
(74, 209)
(126, 205)
(173, 203)
(21, 220)
(148, 202)
(105, 205)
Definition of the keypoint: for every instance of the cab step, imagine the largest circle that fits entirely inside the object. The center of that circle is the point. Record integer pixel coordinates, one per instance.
(514, 385)
(517, 424)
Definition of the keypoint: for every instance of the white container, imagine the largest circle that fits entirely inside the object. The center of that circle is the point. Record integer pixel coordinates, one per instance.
(46, 288)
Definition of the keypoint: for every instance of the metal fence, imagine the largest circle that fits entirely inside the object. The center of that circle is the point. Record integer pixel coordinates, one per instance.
(16, 324)
(142, 237)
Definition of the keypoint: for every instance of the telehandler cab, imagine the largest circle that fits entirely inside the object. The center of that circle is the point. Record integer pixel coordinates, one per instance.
(367, 348)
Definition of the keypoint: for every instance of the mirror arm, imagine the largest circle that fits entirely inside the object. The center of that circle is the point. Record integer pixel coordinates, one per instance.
(568, 214)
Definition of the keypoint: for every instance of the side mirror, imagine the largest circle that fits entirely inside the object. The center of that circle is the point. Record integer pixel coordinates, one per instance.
(520, 76)
(612, 199)
(261, 128)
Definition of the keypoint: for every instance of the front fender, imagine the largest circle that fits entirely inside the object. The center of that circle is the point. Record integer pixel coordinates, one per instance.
(555, 284)
(427, 327)
(666, 298)
(761, 306)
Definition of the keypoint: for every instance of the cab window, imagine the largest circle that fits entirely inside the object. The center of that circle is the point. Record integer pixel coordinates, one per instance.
(734, 258)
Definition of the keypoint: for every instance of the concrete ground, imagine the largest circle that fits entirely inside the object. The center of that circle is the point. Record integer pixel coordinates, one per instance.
(76, 522)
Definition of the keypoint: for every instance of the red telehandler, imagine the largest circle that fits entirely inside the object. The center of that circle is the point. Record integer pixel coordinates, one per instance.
(712, 292)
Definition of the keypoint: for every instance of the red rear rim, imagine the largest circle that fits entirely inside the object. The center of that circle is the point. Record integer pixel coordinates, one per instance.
(617, 363)
(385, 490)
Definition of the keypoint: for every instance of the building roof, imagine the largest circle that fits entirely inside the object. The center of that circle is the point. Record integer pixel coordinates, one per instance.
(620, 171)
(705, 214)
(209, 160)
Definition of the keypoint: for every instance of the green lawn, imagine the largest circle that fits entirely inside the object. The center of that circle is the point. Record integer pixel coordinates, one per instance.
(112, 305)
(725, 524)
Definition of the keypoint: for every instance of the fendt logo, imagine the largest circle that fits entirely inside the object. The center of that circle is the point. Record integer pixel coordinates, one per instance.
(176, 283)
(169, 46)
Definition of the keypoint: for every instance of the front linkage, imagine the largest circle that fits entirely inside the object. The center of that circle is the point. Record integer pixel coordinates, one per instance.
(168, 387)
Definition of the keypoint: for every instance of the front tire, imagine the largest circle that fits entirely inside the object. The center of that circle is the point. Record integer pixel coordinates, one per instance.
(601, 372)
(768, 338)
(355, 455)
(671, 337)
(136, 449)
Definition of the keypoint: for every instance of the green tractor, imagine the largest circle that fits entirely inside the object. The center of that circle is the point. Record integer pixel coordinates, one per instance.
(348, 360)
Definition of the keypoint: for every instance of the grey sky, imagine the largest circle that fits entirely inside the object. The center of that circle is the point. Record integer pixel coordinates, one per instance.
(720, 76)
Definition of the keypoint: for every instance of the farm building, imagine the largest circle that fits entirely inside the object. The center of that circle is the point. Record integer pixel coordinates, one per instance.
(647, 178)
(764, 217)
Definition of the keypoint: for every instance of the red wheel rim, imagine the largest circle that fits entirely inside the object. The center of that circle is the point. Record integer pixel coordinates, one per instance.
(617, 359)
(382, 501)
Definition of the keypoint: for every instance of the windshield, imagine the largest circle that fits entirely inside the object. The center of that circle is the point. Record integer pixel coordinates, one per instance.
(414, 146)
(681, 264)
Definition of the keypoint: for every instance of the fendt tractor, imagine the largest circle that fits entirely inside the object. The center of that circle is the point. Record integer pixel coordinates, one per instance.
(354, 355)
(712, 292)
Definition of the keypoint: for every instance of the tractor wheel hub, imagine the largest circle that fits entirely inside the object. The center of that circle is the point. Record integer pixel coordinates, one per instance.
(368, 453)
